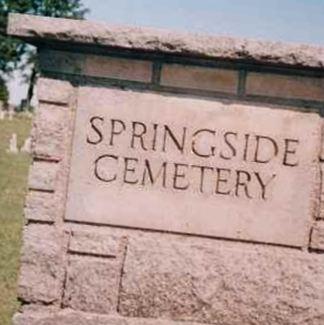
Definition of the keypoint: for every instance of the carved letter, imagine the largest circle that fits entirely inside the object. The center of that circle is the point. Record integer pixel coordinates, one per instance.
(138, 135)
(98, 132)
(230, 145)
(115, 131)
(101, 173)
(264, 184)
(222, 180)
(240, 174)
(257, 159)
(193, 145)
(178, 175)
(290, 151)
(148, 171)
(129, 170)
(179, 144)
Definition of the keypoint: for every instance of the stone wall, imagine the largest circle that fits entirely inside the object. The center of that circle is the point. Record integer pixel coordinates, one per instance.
(87, 270)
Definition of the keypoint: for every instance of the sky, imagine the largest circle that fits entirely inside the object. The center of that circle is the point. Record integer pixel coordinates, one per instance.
(298, 21)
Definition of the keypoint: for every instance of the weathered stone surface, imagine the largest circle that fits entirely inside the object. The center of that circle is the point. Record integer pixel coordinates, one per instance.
(54, 91)
(51, 126)
(40, 206)
(201, 78)
(92, 284)
(42, 176)
(41, 274)
(95, 243)
(317, 239)
(69, 317)
(295, 87)
(36, 28)
(222, 283)
(142, 182)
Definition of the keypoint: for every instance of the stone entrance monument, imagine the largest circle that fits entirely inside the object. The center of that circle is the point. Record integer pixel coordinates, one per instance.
(177, 179)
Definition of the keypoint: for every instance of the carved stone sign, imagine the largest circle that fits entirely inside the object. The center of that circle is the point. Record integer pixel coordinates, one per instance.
(193, 166)
(176, 179)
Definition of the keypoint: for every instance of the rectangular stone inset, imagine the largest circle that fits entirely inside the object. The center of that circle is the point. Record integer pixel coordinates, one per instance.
(194, 77)
(194, 166)
(275, 85)
(118, 68)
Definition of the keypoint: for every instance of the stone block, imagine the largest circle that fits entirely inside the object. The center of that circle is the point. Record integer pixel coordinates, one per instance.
(41, 273)
(42, 176)
(282, 86)
(194, 77)
(118, 68)
(94, 243)
(51, 126)
(92, 284)
(317, 239)
(221, 283)
(54, 91)
(40, 206)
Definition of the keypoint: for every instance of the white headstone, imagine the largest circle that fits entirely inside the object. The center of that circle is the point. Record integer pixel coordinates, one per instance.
(27, 146)
(13, 144)
(11, 113)
(2, 113)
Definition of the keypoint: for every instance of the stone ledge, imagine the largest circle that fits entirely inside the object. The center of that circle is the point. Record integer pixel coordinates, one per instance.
(39, 29)
(64, 317)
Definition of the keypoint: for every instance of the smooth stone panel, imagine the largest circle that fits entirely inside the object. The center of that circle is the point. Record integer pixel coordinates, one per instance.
(195, 166)
(274, 85)
(195, 77)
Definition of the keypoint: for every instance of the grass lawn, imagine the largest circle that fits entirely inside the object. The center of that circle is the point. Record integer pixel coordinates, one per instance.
(13, 186)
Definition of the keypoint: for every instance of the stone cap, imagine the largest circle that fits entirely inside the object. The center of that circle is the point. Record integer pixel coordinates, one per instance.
(39, 30)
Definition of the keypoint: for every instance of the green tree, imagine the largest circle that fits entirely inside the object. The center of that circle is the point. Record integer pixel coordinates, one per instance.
(3, 92)
(15, 54)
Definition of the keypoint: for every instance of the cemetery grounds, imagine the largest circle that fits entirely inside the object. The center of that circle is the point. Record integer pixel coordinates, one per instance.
(13, 186)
